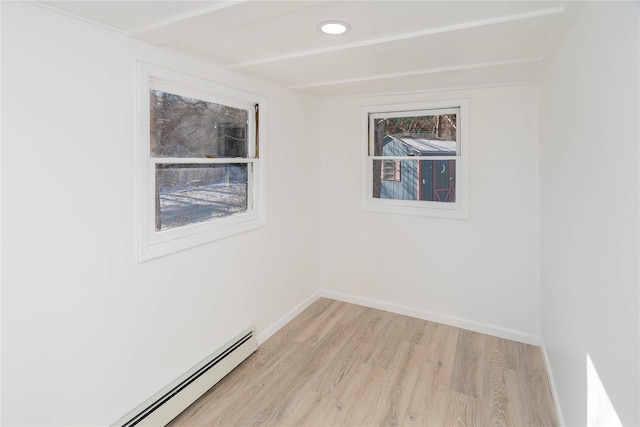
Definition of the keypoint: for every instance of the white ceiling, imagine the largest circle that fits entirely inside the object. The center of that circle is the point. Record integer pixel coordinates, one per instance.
(393, 46)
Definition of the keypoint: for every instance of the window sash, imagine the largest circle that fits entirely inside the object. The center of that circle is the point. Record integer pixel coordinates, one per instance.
(194, 193)
(250, 107)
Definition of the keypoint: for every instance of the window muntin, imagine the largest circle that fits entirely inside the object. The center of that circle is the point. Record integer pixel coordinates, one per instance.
(428, 144)
(201, 177)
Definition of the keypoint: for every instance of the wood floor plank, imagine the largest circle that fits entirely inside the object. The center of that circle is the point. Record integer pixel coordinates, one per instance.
(403, 374)
(429, 400)
(339, 364)
(501, 352)
(440, 344)
(427, 405)
(463, 410)
(366, 410)
(360, 331)
(321, 324)
(534, 388)
(257, 396)
(314, 410)
(351, 398)
(305, 373)
(468, 369)
(501, 398)
(223, 404)
(279, 341)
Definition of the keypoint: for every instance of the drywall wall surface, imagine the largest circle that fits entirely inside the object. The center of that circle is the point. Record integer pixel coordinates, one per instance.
(589, 216)
(88, 333)
(483, 270)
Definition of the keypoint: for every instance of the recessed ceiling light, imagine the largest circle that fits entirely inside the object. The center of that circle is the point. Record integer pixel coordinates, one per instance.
(334, 27)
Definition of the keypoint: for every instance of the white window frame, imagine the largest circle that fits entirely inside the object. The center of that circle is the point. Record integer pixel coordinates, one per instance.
(455, 210)
(153, 244)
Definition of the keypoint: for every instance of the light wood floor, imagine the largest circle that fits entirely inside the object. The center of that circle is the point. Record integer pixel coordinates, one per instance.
(340, 364)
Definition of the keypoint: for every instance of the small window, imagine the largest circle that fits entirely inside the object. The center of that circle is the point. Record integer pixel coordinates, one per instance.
(200, 172)
(390, 170)
(416, 158)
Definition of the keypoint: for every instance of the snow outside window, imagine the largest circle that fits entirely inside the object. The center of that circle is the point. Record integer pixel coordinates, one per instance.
(200, 175)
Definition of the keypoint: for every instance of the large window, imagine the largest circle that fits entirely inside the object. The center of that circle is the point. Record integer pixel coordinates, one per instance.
(200, 170)
(415, 159)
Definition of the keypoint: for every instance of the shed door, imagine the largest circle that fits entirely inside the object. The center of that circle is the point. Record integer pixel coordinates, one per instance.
(438, 180)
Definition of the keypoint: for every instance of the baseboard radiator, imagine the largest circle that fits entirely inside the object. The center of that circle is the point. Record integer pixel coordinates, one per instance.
(177, 396)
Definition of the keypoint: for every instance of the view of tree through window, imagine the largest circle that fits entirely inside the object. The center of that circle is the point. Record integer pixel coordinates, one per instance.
(187, 127)
(439, 127)
(427, 137)
(190, 129)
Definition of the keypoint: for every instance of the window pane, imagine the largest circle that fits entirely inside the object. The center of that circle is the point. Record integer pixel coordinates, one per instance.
(415, 136)
(429, 180)
(190, 194)
(188, 127)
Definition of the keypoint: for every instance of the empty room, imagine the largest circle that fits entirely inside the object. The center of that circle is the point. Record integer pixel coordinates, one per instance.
(320, 213)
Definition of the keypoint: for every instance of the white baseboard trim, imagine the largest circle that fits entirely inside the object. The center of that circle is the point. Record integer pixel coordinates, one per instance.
(279, 324)
(471, 325)
(552, 384)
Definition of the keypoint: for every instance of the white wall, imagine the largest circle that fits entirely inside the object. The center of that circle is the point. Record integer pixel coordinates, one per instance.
(87, 332)
(589, 211)
(481, 273)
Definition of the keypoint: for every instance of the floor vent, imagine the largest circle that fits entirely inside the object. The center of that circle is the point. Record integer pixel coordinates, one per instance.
(177, 396)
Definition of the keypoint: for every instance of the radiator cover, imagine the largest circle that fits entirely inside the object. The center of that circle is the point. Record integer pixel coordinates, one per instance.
(165, 405)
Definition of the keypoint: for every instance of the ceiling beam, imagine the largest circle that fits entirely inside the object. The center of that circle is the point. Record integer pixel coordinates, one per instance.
(420, 72)
(404, 36)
